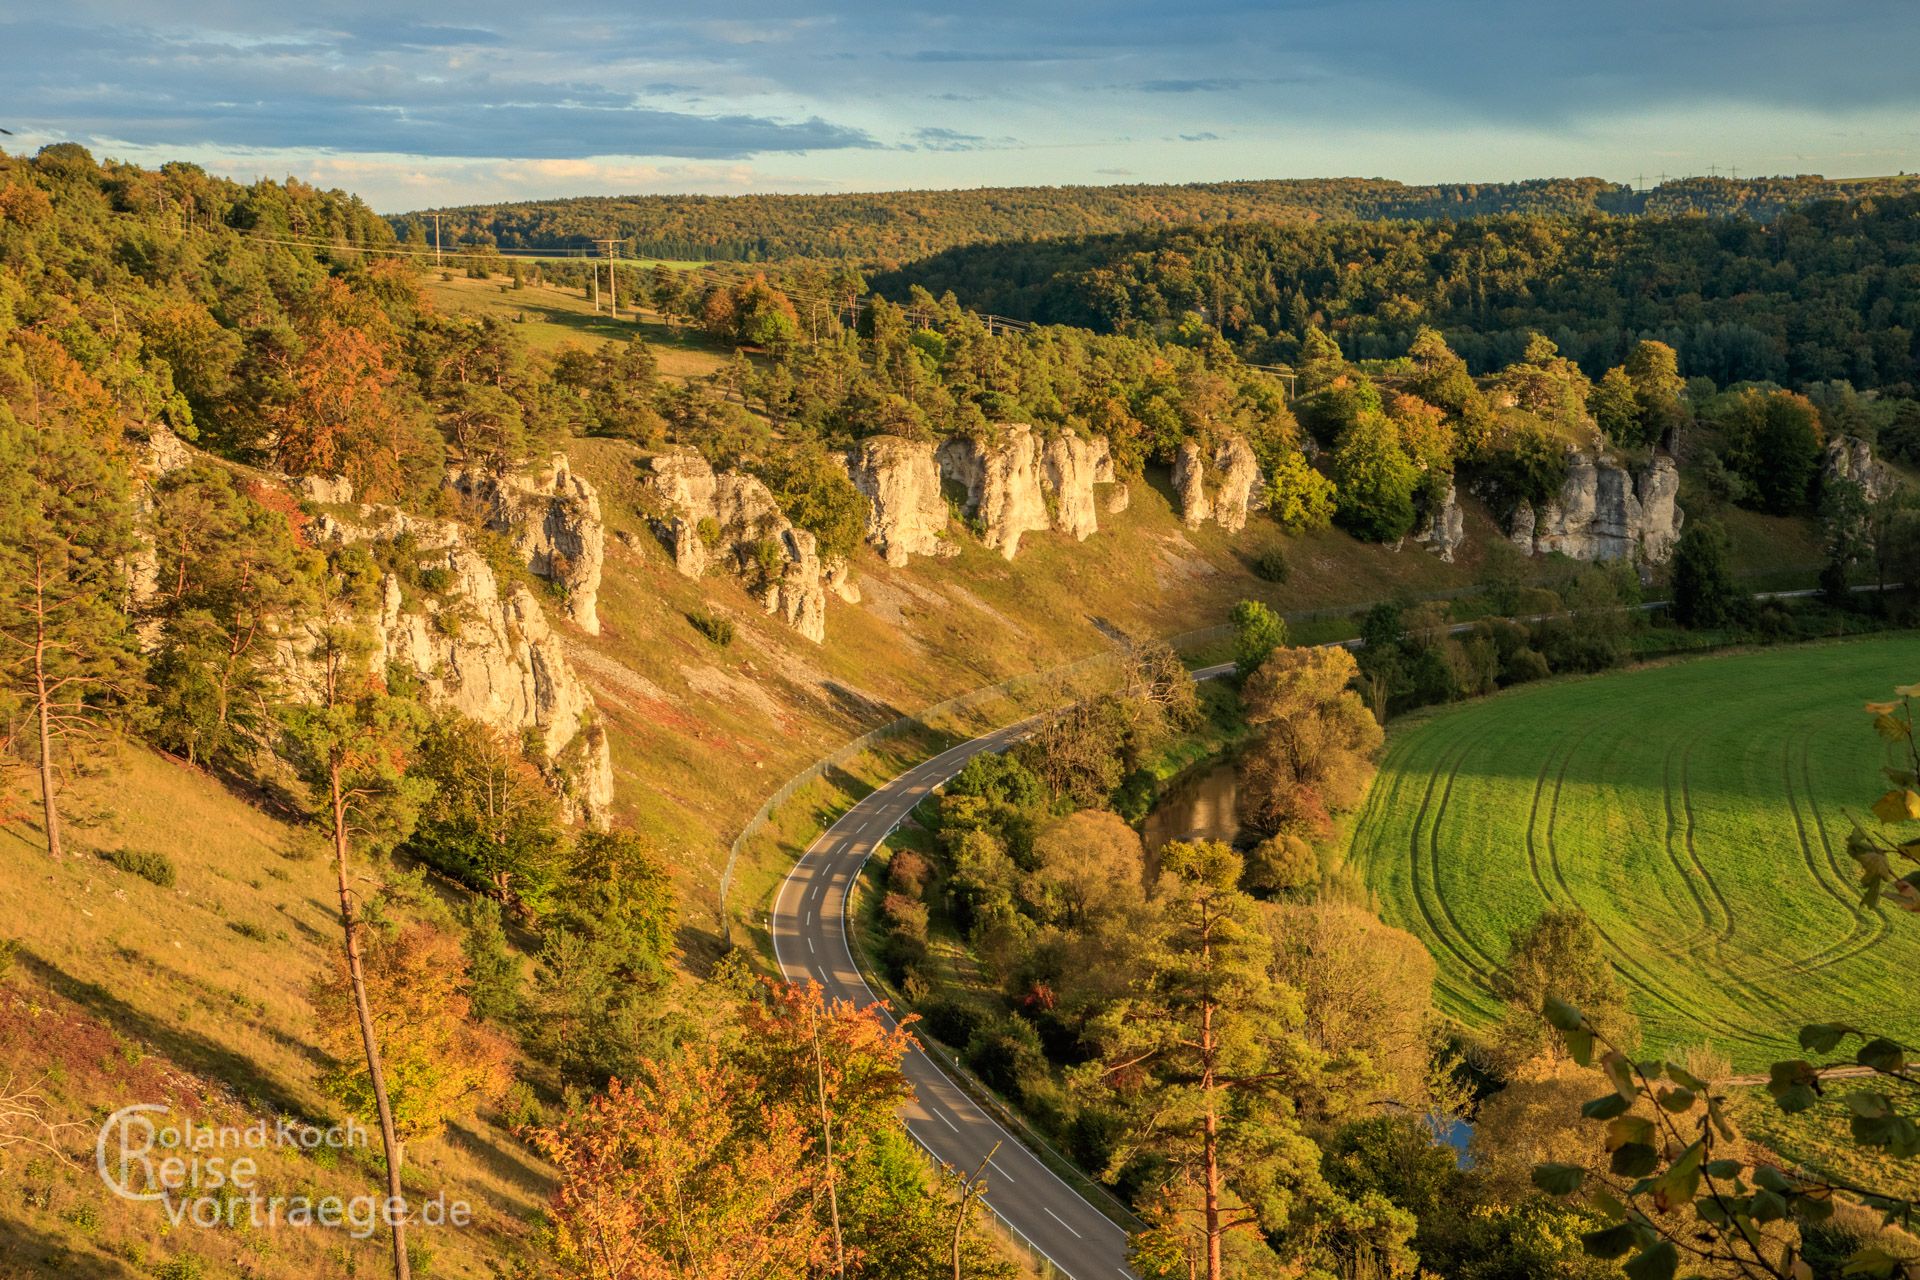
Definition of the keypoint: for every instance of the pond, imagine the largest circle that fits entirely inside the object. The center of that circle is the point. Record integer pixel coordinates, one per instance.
(1201, 804)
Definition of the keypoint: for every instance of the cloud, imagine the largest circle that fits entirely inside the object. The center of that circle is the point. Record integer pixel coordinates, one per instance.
(1214, 84)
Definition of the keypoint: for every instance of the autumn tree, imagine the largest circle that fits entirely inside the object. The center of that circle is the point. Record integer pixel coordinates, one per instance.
(66, 649)
(1314, 740)
(1561, 955)
(439, 1063)
(351, 747)
(1086, 864)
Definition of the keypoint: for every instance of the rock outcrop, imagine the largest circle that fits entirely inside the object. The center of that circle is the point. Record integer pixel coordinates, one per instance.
(1000, 473)
(906, 512)
(730, 518)
(1603, 512)
(1850, 460)
(487, 653)
(1222, 485)
(553, 519)
(1070, 465)
(1445, 530)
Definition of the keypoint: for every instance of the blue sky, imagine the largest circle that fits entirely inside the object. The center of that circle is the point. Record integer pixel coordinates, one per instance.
(412, 105)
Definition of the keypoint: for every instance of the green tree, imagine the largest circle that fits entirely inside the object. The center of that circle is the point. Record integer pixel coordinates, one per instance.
(1560, 955)
(1299, 498)
(1374, 480)
(494, 825)
(1658, 390)
(1257, 632)
(1617, 409)
(1703, 592)
(68, 651)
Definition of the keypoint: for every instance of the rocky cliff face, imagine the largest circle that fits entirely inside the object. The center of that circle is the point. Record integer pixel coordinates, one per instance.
(1001, 476)
(730, 519)
(485, 652)
(1070, 465)
(906, 512)
(1444, 531)
(1850, 460)
(1221, 485)
(553, 518)
(1603, 512)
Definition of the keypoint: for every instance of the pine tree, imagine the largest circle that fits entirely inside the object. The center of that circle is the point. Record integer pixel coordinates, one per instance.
(66, 650)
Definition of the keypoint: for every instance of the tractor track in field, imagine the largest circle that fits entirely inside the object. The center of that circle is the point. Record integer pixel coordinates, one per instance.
(1426, 822)
(1864, 935)
(1621, 958)
(1689, 867)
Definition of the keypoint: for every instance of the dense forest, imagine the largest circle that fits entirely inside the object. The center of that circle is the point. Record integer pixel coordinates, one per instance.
(1828, 292)
(886, 228)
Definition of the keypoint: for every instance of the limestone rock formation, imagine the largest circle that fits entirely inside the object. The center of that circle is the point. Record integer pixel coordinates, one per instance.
(1603, 512)
(553, 518)
(906, 512)
(1444, 531)
(489, 654)
(1070, 466)
(328, 490)
(1001, 476)
(1850, 460)
(1227, 492)
(730, 518)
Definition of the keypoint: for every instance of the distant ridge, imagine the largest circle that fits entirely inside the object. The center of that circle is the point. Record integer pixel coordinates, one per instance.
(896, 226)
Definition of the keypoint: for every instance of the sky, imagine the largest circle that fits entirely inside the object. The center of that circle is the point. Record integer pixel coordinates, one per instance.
(414, 105)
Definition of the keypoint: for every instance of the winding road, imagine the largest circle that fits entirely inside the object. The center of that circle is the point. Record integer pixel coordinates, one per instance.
(811, 939)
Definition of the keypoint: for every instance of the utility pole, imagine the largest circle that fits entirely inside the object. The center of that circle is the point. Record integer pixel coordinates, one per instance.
(613, 290)
(436, 238)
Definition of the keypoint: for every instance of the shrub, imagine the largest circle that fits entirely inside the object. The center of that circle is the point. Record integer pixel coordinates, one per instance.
(952, 1021)
(713, 626)
(1270, 565)
(148, 864)
(907, 873)
(905, 917)
(438, 580)
(1006, 1056)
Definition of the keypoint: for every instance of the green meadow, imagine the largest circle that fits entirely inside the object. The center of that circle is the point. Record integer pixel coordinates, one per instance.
(1698, 812)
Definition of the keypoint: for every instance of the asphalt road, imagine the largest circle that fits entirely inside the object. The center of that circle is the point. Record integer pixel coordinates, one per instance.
(811, 940)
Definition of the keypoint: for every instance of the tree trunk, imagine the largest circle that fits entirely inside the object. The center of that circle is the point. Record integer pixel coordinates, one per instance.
(41, 696)
(357, 977)
(826, 1138)
(1210, 1157)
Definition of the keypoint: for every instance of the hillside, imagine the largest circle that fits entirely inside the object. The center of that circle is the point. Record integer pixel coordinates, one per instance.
(891, 227)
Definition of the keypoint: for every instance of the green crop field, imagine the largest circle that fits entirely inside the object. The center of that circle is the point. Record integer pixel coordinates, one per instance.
(1698, 812)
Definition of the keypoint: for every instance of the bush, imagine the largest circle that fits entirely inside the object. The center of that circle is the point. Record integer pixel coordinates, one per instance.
(1281, 864)
(907, 874)
(951, 1021)
(148, 864)
(1270, 565)
(1006, 1056)
(713, 626)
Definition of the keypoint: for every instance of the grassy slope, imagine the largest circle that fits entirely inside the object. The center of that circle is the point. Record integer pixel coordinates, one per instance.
(1697, 810)
(122, 991)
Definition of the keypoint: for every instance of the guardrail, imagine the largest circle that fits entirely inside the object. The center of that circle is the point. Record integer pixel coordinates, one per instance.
(923, 719)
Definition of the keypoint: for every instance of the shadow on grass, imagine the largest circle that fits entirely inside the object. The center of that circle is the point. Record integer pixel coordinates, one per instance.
(192, 1052)
(25, 1250)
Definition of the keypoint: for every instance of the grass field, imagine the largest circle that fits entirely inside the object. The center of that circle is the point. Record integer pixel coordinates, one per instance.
(1697, 811)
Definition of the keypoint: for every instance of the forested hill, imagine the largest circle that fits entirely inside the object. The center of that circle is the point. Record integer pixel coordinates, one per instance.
(890, 227)
(1827, 292)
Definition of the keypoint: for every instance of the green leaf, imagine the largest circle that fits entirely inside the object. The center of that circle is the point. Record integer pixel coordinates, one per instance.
(1824, 1037)
(1723, 1169)
(1635, 1160)
(1676, 1100)
(1619, 1072)
(1882, 1055)
(1561, 1015)
(1604, 1108)
(1657, 1263)
(1558, 1179)
(1682, 1179)
(1579, 1045)
(1610, 1242)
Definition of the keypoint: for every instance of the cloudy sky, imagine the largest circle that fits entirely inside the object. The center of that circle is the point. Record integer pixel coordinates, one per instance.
(413, 105)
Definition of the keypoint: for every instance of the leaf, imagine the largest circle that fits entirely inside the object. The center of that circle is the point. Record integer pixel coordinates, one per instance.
(1558, 1179)
(1890, 727)
(1899, 805)
(1686, 1079)
(1610, 1242)
(1682, 1179)
(1579, 1045)
(1624, 1130)
(1620, 1072)
(1657, 1263)
(1635, 1160)
(1676, 1100)
(1883, 1055)
(1560, 1015)
(1824, 1037)
(1605, 1107)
